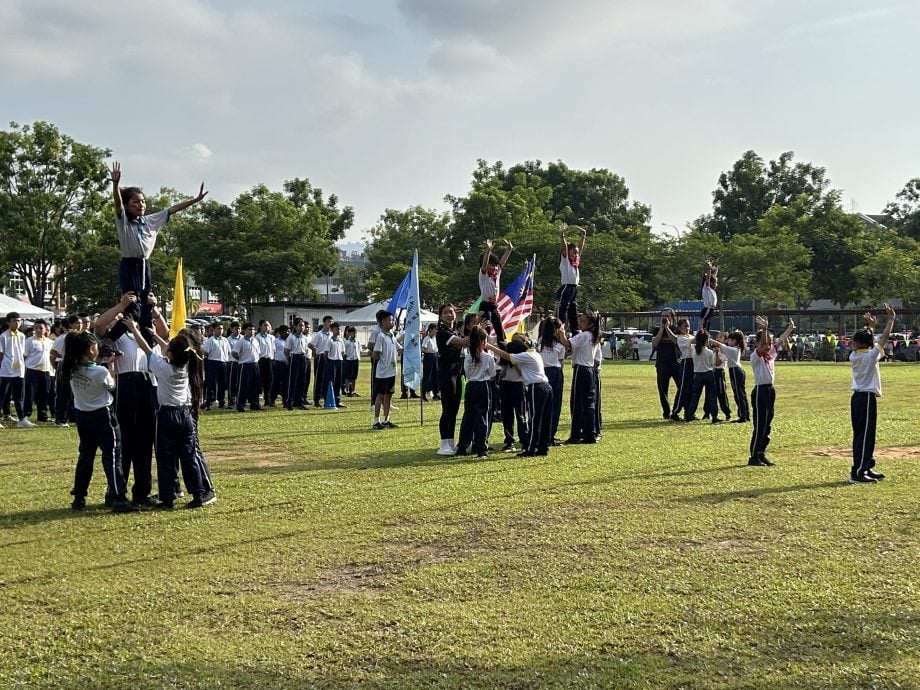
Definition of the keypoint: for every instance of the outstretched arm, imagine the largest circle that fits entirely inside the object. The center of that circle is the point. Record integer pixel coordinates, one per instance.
(788, 332)
(508, 247)
(138, 338)
(486, 255)
(116, 190)
(560, 336)
(497, 351)
(565, 244)
(182, 205)
(581, 244)
(104, 319)
(888, 326)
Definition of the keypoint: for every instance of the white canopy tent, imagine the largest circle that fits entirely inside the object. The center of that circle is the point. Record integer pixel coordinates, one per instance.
(26, 310)
(368, 315)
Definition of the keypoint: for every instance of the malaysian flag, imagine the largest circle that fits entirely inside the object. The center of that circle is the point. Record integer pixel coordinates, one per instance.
(516, 302)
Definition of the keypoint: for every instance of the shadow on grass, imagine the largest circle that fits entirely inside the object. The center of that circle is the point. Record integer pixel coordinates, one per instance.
(722, 497)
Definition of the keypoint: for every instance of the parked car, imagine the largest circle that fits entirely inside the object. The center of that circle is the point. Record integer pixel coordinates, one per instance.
(614, 340)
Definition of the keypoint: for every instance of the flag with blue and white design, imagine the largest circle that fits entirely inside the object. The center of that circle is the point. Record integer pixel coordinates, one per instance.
(412, 339)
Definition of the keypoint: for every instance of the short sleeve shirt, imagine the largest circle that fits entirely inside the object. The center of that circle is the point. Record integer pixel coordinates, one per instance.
(137, 237)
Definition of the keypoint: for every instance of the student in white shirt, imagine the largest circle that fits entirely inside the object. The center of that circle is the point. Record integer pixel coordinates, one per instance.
(352, 360)
(553, 354)
(12, 366)
(704, 362)
(233, 378)
(867, 388)
(710, 298)
(297, 350)
(97, 425)
(479, 368)
(512, 402)
(246, 352)
(718, 373)
(279, 366)
(385, 353)
(583, 400)
(430, 388)
(266, 353)
(569, 269)
(490, 270)
(216, 350)
(179, 388)
(763, 397)
(733, 349)
(37, 358)
(334, 354)
(318, 344)
(63, 400)
(685, 387)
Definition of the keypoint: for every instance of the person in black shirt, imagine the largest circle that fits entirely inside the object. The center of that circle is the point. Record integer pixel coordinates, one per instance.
(450, 368)
(667, 360)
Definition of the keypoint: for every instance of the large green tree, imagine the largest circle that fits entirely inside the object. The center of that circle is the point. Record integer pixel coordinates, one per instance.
(905, 210)
(52, 193)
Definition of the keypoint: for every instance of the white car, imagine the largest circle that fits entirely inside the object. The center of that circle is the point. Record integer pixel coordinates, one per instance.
(613, 341)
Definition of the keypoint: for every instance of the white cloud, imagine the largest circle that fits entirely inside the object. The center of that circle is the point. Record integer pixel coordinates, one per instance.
(201, 152)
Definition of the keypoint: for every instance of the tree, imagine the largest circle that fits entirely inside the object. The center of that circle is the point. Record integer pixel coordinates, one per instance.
(905, 210)
(265, 244)
(890, 273)
(52, 192)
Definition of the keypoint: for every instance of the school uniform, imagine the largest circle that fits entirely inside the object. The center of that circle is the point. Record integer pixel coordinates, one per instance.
(430, 367)
(539, 395)
(867, 388)
(721, 389)
(567, 294)
(474, 427)
(216, 351)
(297, 348)
(513, 407)
(703, 381)
(598, 361)
(371, 341)
(385, 375)
(553, 357)
(318, 345)
(64, 410)
(176, 432)
(233, 378)
(97, 426)
(667, 369)
(710, 301)
(737, 378)
(37, 359)
(335, 358)
(246, 352)
(352, 361)
(136, 239)
(450, 383)
(12, 369)
(266, 354)
(583, 400)
(280, 372)
(685, 388)
(135, 408)
(488, 296)
(763, 400)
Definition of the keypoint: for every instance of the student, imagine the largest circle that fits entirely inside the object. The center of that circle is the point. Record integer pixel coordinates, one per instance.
(430, 388)
(266, 340)
(296, 349)
(64, 412)
(710, 298)
(371, 341)
(352, 360)
(553, 354)
(569, 269)
(179, 384)
(763, 397)
(704, 361)
(318, 346)
(867, 388)
(385, 353)
(718, 373)
(97, 425)
(335, 356)
(450, 382)
(583, 399)
(217, 358)
(37, 360)
(246, 352)
(137, 235)
(233, 377)
(490, 271)
(685, 390)
(512, 404)
(667, 360)
(732, 349)
(12, 366)
(538, 391)
(279, 367)
(479, 368)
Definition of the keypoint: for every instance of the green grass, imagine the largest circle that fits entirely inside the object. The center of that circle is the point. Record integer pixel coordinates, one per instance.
(342, 557)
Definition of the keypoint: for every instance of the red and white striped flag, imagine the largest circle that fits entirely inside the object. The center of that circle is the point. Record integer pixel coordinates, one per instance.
(516, 302)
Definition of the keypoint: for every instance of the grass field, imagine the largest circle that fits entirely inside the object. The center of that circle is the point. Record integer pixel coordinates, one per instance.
(342, 557)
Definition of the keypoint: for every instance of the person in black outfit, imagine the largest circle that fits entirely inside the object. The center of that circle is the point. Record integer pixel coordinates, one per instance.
(667, 360)
(450, 368)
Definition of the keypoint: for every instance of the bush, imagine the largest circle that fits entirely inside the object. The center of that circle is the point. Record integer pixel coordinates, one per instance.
(824, 352)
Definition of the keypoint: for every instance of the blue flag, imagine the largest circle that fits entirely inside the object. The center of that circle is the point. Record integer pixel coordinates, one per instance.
(412, 339)
(401, 296)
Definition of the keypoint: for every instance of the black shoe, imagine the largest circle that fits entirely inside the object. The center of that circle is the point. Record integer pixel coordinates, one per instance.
(300, 407)
(716, 421)
(378, 426)
(863, 478)
(461, 451)
(666, 416)
(739, 421)
(572, 441)
(555, 442)
(390, 425)
(414, 395)
(404, 396)
(269, 404)
(148, 502)
(206, 408)
(527, 454)
(483, 454)
(79, 503)
(766, 461)
(109, 500)
(204, 498)
(508, 447)
(757, 462)
(163, 505)
(878, 476)
(706, 416)
(123, 505)
(675, 418)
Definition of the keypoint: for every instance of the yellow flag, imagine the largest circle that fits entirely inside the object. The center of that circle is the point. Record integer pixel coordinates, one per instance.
(178, 304)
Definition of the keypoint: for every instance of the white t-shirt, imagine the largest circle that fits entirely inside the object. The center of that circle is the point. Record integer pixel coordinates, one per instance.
(531, 365)
(319, 341)
(352, 350)
(704, 361)
(583, 349)
(570, 273)
(217, 348)
(710, 298)
(732, 355)
(13, 346)
(298, 344)
(763, 367)
(247, 350)
(134, 358)
(510, 373)
(335, 348)
(58, 346)
(266, 344)
(429, 345)
(866, 375)
(92, 387)
(552, 356)
(387, 346)
(137, 237)
(280, 344)
(172, 382)
(685, 345)
(38, 353)
(484, 370)
(488, 285)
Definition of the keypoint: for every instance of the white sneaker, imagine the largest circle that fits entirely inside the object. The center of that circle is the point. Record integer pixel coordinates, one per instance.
(453, 446)
(62, 425)
(25, 424)
(446, 448)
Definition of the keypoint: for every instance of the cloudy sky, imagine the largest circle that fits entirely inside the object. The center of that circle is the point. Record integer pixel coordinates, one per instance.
(388, 103)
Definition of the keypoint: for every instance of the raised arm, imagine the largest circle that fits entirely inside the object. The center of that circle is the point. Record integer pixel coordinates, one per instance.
(138, 338)
(159, 321)
(581, 244)
(116, 190)
(104, 319)
(562, 239)
(497, 351)
(785, 336)
(182, 205)
(888, 326)
(664, 330)
(560, 336)
(508, 247)
(485, 257)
